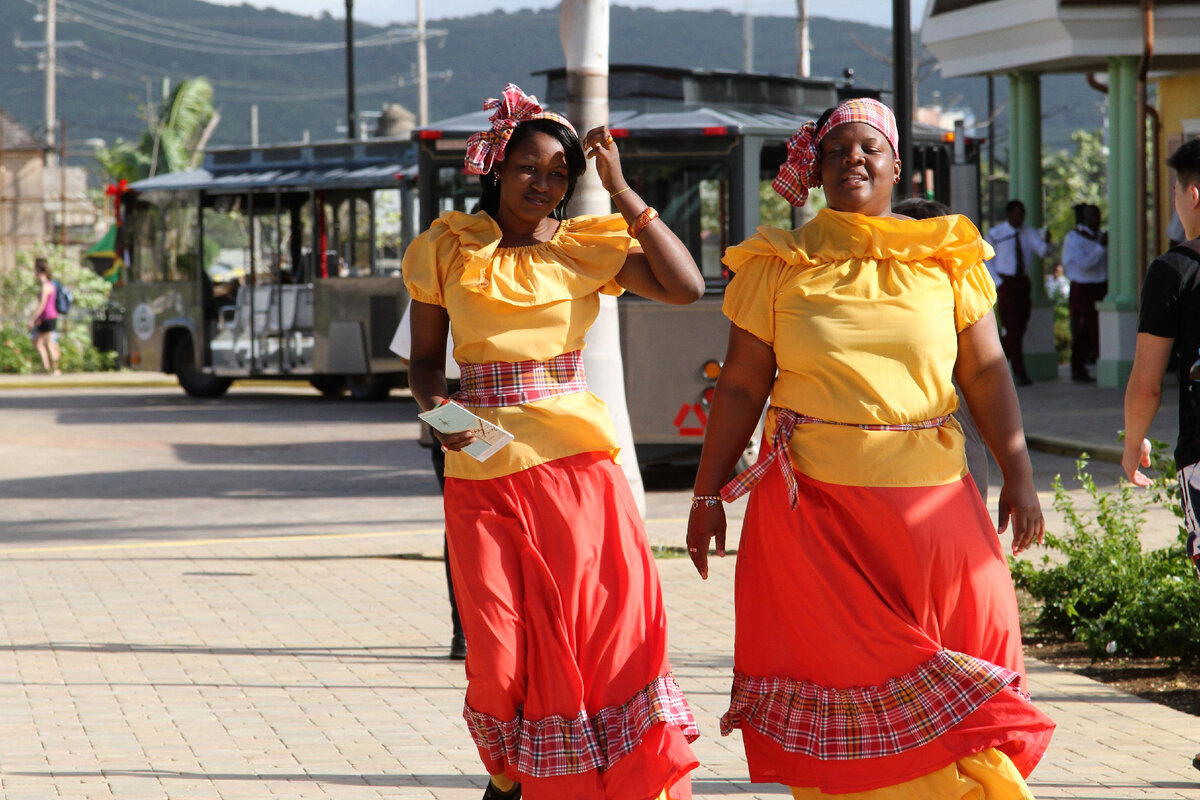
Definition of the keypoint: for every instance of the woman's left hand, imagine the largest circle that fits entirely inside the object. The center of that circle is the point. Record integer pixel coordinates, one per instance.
(599, 144)
(1019, 503)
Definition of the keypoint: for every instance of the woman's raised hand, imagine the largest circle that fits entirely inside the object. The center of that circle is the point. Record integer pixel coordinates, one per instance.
(599, 144)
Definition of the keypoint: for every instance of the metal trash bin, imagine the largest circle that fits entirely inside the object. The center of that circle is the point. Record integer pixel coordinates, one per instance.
(108, 325)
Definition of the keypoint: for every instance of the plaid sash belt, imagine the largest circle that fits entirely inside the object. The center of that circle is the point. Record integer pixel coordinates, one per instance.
(512, 383)
(786, 422)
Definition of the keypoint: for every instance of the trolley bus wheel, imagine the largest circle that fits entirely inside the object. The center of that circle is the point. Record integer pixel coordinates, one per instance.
(329, 385)
(369, 388)
(192, 380)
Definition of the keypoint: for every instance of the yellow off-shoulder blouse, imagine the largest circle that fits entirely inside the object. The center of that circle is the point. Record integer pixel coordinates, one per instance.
(518, 304)
(863, 314)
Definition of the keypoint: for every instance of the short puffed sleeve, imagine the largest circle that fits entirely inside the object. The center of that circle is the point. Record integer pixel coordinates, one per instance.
(750, 296)
(426, 262)
(974, 292)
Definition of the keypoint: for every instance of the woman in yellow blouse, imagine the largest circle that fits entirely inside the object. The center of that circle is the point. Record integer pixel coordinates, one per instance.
(878, 650)
(570, 693)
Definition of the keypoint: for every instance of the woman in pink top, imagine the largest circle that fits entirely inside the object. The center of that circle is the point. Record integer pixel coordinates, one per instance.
(45, 318)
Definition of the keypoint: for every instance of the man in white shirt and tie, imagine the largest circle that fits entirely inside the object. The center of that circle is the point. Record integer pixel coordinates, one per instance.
(1085, 259)
(1015, 245)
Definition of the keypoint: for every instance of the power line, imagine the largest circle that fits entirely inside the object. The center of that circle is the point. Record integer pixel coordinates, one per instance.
(156, 30)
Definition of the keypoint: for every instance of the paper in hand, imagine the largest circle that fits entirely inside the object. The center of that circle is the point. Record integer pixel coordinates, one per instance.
(450, 417)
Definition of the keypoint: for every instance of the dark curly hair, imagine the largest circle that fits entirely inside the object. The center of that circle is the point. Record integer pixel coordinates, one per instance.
(489, 189)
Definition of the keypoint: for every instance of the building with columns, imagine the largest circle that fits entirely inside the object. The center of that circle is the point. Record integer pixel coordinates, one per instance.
(1134, 49)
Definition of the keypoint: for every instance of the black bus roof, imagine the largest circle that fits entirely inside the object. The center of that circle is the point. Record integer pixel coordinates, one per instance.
(358, 164)
(660, 101)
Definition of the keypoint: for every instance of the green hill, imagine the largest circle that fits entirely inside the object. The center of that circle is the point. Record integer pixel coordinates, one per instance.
(103, 83)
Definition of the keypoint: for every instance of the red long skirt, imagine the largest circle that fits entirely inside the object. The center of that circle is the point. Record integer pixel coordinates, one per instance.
(569, 687)
(877, 637)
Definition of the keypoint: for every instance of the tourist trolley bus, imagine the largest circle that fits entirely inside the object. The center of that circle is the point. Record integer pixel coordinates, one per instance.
(284, 261)
(702, 147)
(280, 261)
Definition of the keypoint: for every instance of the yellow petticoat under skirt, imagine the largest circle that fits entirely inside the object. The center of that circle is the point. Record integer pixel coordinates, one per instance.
(987, 775)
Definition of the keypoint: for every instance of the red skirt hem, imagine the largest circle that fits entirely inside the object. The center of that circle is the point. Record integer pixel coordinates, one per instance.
(860, 587)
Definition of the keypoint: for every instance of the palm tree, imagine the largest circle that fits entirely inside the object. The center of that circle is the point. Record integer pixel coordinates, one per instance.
(175, 140)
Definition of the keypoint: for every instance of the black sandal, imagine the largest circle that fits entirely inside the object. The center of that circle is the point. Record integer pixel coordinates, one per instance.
(492, 793)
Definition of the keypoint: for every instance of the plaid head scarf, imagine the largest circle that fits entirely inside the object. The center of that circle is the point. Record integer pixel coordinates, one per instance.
(802, 169)
(512, 108)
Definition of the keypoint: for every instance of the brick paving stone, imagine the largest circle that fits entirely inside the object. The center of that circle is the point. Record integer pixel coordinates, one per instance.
(315, 667)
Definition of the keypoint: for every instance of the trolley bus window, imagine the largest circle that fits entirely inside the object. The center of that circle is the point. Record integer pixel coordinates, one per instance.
(349, 220)
(147, 242)
(179, 239)
(226, 241)
(389, 230)
(456, 191)
(693, 199)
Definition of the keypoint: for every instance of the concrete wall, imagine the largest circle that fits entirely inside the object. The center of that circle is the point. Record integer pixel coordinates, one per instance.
(22, 216)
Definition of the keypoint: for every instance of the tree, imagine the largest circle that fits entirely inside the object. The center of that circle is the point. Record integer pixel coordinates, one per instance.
(1079, 177)
(175, 140)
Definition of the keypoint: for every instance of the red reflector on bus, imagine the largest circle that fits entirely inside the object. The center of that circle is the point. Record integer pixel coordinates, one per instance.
(707, 397)
(429, 134)
(715, 130)
(618, 133)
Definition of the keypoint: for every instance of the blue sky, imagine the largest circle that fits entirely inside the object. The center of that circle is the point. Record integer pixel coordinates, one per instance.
(878, 12)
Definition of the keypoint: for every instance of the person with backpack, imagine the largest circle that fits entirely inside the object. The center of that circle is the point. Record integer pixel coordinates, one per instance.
(45, 318)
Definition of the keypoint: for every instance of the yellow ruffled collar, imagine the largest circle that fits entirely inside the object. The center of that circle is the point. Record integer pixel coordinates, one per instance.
(584, 253)
(953, 242)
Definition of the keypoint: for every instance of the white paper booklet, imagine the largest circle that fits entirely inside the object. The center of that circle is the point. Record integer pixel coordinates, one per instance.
(453, 418)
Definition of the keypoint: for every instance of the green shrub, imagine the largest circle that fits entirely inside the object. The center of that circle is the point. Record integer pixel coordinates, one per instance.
(17, 355)
(1062, 333)
(1110, 594)
(18, 298)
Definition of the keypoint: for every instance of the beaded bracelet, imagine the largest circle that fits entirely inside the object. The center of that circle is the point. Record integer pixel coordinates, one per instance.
(618, 191)
(645, 218)
(709, 500)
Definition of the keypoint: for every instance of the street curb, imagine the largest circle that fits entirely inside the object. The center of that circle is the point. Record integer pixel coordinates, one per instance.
(1073, 448)
(84, 383)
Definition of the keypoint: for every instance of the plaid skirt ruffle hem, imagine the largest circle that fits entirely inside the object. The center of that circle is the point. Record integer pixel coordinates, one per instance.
(877, 637)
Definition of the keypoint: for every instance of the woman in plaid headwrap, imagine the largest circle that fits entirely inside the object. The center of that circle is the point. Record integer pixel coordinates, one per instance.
(570, 693)
(878, 650)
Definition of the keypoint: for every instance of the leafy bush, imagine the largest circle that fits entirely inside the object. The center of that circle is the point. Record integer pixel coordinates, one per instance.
(17, 355)
(18, 298)
(1062, 333)
(1110, 594)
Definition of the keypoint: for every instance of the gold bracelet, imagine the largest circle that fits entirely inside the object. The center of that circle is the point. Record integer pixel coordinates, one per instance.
(709, 500)
(618, 191)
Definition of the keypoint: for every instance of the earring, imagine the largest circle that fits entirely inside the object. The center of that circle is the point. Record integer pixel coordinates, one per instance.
(495, 179)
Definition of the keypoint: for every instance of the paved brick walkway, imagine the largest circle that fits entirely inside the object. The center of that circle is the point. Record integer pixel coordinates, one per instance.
(314, 667)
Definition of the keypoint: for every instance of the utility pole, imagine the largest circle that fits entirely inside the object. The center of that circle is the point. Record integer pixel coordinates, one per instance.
(747, 40)
(422, 69)
(803, 41)
(3, 209)
(62, 186)
(902, 92)
(583, 27)
(51, 71)
(351, 126)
